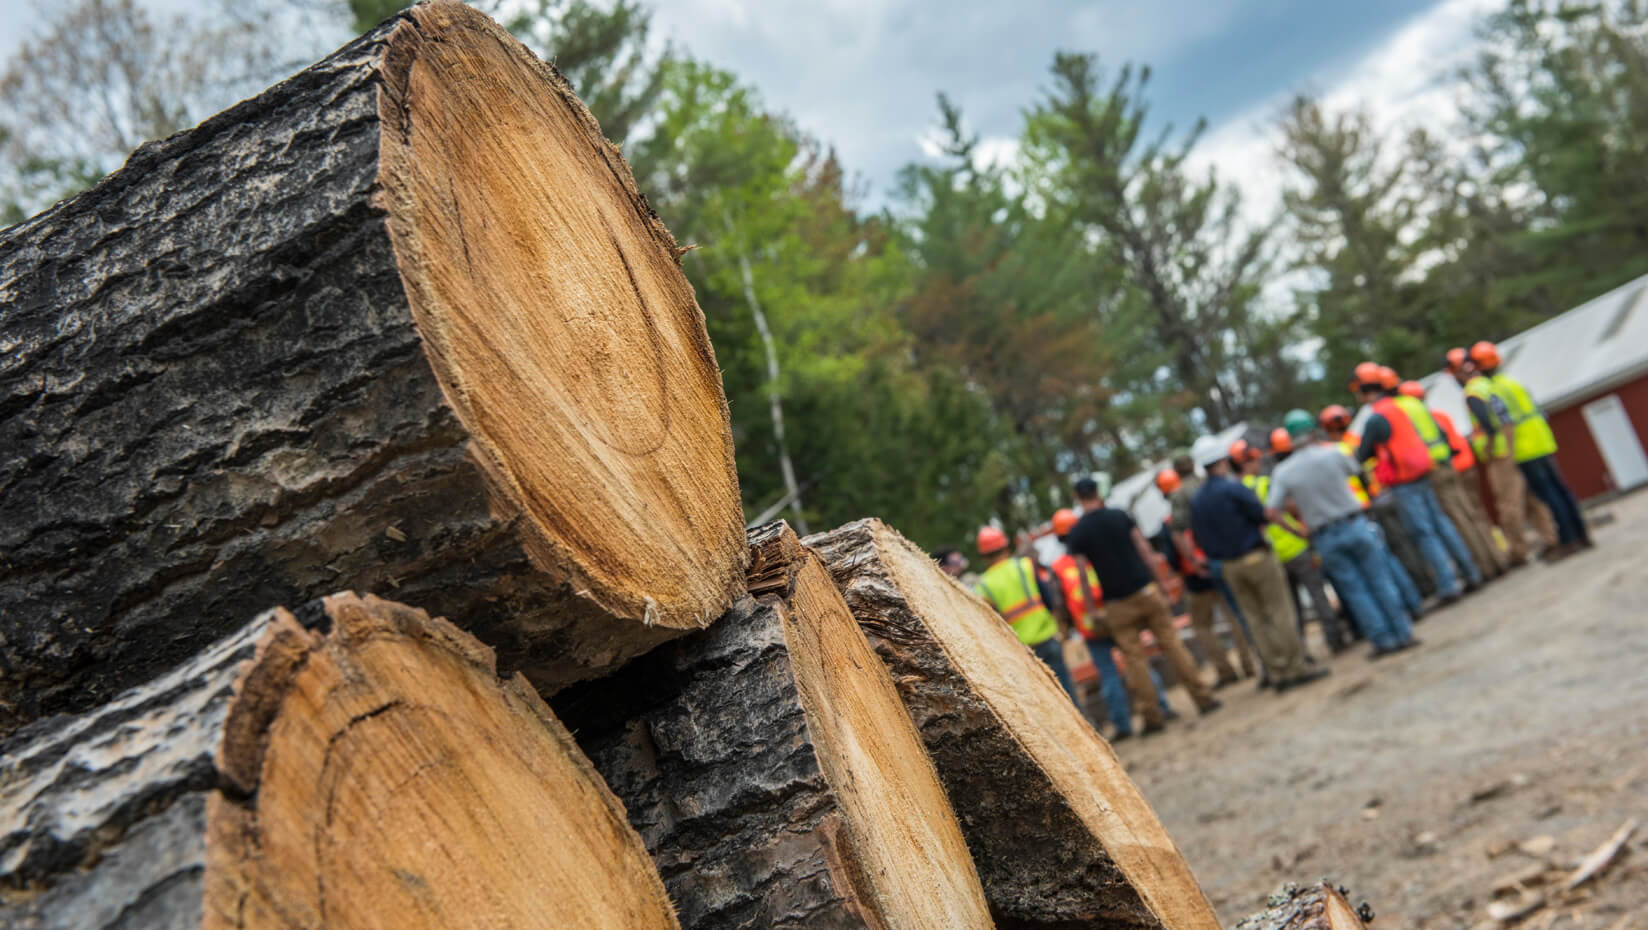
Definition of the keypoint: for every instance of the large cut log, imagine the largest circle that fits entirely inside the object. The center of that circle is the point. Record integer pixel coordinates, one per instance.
(773, 774)
(400, 324)
(355, 765)
(1062, 836)
(1311, 907)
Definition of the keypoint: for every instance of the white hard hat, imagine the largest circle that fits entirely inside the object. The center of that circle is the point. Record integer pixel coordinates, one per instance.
(1208, 451)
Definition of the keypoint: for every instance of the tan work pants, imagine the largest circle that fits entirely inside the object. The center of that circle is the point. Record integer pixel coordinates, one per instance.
(1147, 609)
(1202, 604)
(1510, 499)
(1455, 496)
(1260, 584)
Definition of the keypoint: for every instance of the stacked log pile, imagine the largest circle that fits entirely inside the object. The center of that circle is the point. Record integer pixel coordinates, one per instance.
(403, 325)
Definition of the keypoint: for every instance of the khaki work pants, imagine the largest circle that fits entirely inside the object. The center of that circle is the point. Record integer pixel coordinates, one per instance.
(1511, 500)
(1202, 604)
(1261, 588)
(1147, 609)
(1455, 495)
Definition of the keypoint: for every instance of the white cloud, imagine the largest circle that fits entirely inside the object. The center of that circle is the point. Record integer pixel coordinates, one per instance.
(1404, 83)
(862, 74)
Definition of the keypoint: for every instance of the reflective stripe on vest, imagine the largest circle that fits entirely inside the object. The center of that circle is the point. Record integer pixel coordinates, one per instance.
(1534, 438)
(1463, 459)
(1404, 457)
(1482, 389)
(1288, 544)
(1435, 440)
(1009, 586)
(1076, 594)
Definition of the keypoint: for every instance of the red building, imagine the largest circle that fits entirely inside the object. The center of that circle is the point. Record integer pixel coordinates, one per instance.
(1588, 371)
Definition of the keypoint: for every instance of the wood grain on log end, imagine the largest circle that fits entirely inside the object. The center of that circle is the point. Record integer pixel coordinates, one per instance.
(368, 769)
(773, 773)
(1310, 907)
(552, 306)
(400, 324)
(1061, 835)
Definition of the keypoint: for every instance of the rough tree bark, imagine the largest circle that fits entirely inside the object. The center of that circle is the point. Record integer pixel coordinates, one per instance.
(1312, 907)
(772, 772)
(356, 764)
(1061, 835)
(401, 324)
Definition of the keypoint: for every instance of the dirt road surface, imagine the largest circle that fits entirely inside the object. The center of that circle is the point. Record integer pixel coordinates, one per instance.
(1523, 719)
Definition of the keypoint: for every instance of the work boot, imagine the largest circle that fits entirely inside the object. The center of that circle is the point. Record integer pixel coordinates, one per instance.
(1210, 707)
(1151, 729)
(1119, 737)
(1558, 552)
(1311, 676)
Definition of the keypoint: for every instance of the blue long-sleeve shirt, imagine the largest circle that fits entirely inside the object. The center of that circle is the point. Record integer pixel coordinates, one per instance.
(1227, 518)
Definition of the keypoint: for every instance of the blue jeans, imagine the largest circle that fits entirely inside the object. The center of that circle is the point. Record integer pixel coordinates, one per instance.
(1545, 482)
(1051, 651)
(1361, 570)
(1435, 535)
(1411, 598)
(1114, 689)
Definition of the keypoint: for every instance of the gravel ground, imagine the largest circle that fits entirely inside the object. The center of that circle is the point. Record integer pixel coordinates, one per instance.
(1516, 735)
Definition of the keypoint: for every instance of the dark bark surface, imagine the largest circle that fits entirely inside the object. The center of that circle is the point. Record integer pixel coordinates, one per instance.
(213, 397)
(103, 816)
(1310, 907)
(705, 742)
(1041, 864)
(357, 744)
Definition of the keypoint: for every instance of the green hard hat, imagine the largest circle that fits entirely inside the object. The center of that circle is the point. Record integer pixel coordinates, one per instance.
(1297, 422)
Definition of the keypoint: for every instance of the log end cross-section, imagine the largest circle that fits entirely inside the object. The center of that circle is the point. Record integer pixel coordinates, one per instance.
(354, 765)
(401, 324)
(773, 773)
(556, 316)
(1061, 835)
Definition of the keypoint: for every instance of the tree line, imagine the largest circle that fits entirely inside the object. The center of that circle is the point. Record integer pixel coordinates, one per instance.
(994, 328)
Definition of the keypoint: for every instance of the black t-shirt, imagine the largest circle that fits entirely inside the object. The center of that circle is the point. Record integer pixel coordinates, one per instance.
(1105, 538)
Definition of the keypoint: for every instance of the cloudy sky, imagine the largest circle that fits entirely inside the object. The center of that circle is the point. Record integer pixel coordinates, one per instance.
(862, 74)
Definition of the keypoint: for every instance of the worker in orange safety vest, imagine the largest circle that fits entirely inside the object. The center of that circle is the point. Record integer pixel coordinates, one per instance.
(1401, 434)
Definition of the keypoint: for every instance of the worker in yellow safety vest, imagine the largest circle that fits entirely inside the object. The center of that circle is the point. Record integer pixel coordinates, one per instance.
(1490, 441)
(1530, 443)
(1014, 586)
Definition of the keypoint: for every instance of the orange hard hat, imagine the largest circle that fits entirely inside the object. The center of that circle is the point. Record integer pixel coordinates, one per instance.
(1412, 389)
(1485, 354)
(1387, 378)
(1243, 451)
(1064, 520)
(1334, 417)
(1365, 373)
(1167, 481)
(991, 540)
(1455, 359)
(1280, 441)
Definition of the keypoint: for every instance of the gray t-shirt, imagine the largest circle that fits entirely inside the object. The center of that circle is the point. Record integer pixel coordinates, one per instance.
(1315, 478)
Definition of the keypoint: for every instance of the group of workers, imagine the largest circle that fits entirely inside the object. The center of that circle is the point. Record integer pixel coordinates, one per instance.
(1384, 517)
